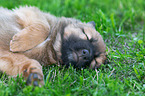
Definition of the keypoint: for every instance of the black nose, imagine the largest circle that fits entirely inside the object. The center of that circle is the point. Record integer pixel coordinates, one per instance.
(85, 54)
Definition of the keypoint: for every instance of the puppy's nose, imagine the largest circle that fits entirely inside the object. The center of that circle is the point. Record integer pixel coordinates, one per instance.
(85, 54)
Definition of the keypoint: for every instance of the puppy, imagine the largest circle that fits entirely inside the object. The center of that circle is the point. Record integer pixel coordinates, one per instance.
(30, 38)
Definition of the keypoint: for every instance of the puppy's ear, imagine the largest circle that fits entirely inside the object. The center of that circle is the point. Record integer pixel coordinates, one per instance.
(92, 23)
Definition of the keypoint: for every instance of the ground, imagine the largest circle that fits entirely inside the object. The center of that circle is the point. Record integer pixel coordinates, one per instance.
(121, 23)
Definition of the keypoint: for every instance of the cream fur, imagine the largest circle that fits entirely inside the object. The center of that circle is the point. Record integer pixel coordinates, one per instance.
(30, 38)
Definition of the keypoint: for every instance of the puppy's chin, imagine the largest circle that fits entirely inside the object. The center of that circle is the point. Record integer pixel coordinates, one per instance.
(69, 58)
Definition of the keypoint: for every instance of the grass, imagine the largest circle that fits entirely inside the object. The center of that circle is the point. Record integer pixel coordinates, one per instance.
(121, 23)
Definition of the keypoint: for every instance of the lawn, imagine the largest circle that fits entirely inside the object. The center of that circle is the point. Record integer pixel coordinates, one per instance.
(121, 23)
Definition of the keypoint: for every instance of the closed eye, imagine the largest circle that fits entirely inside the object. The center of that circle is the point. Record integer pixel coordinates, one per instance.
(91, 40)
(85, 34)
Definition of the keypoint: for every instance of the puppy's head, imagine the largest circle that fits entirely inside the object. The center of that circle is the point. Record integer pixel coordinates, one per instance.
(81, 45)
(77, 52)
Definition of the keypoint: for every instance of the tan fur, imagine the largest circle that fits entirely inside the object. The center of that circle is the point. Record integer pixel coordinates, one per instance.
(35, 29)
(30, 38)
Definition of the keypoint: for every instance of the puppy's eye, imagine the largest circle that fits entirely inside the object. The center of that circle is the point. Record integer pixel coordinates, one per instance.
(93, 40)
(85, 34)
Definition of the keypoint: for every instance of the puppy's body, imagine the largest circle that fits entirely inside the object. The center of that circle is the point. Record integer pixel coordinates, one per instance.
(30, 38)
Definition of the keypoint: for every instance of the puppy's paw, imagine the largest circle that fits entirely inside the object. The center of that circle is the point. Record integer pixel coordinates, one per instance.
(35, 79)
(33, 76)
(22, 41)
(16, 44)
(97, 62)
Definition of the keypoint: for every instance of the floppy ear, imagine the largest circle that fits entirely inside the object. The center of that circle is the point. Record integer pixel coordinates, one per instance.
(92, 23)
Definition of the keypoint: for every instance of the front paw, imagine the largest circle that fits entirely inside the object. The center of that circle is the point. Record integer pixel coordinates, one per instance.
(33, 76)
(35, 80)
(19, 42)
(15, 44)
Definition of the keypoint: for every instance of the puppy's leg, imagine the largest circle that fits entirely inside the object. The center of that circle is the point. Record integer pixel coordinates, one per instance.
(15, 63)
(28, 38)
(35, 29)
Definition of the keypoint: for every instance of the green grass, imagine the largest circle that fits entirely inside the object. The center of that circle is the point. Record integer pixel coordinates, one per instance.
(121, 23)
